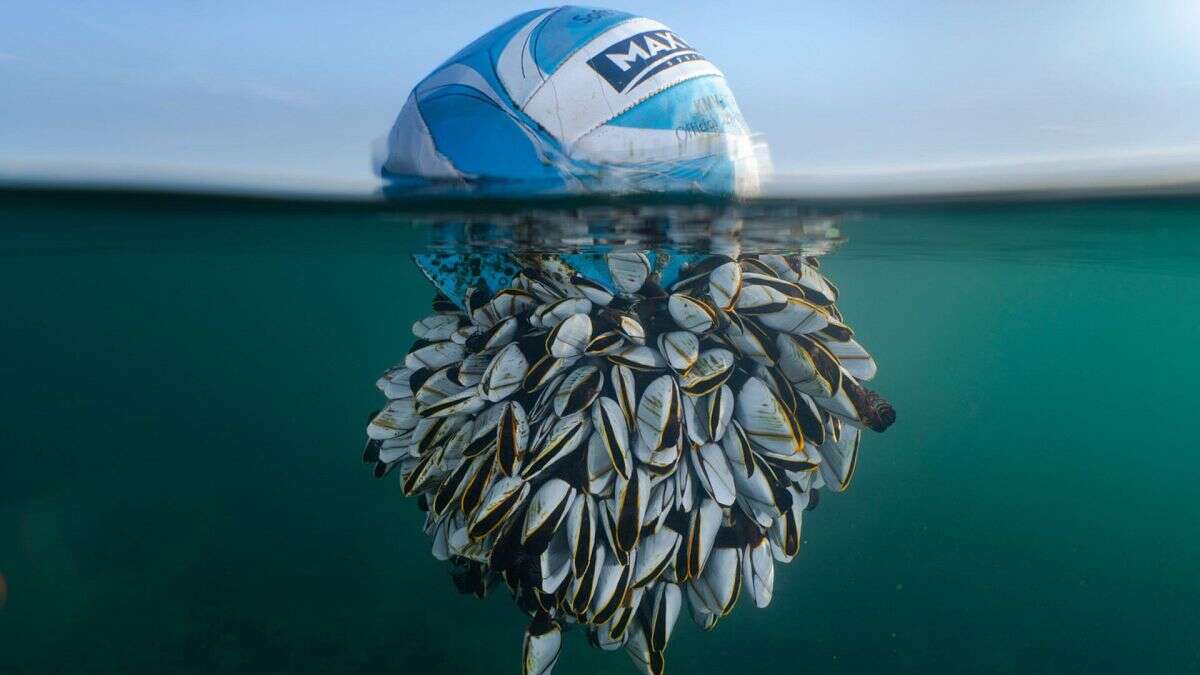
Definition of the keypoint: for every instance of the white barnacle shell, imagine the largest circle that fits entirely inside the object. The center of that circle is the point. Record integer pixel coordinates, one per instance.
(629, 270)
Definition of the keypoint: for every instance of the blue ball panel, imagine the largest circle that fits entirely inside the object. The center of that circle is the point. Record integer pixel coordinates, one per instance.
(568, 29)
(703, 104)
(478, 137)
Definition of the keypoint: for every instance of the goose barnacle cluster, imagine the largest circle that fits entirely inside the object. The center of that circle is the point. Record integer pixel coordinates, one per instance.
(608, 444)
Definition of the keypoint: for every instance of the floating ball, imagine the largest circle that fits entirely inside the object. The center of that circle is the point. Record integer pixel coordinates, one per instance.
(575, 98)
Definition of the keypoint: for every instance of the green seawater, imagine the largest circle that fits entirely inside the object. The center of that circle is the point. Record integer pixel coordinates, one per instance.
(184, 386)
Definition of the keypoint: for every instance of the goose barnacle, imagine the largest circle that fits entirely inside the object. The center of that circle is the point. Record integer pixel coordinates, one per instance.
(613, 432)
(570, 337)
(578, 390)
(680, 348)
(692, 314)
(512, 437)
(543, 641)
(629, 270)
(436, 327)
(611, 451)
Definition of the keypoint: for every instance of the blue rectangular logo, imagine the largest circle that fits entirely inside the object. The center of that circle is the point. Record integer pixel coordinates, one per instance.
(629, 62)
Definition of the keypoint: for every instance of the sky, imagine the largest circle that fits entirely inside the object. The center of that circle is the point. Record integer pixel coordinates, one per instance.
(300, 90)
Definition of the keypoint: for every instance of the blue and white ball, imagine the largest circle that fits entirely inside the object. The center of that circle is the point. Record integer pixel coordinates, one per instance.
(575, 98)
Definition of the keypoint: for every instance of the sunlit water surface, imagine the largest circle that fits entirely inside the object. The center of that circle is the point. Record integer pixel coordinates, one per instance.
(186, 383)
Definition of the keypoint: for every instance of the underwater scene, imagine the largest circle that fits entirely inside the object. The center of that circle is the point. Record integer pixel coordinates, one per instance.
(680, 435)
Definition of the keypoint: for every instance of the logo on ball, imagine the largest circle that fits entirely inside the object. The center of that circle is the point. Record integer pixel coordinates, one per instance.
(631, 61)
